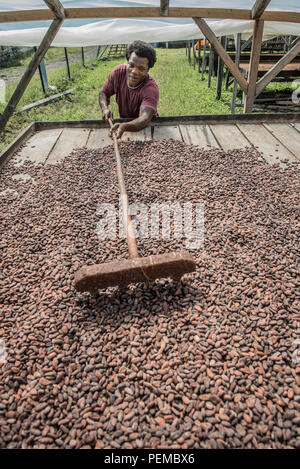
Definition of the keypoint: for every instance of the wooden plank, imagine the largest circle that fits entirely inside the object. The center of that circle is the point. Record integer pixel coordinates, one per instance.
(45, 101)
(144, 134)
(272, 151)
(39, 146)
(229, 136)
(67, 142)
(210, 35)
(177, 120)
(13, 147)
(258, 30)
(167, 132)
(199, 135)
(286, 59)
(29, 72)
(99, 138)
(258, 8)
(147, 12)
(287, 135)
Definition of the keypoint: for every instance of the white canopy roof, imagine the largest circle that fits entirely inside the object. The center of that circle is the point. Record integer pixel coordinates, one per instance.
(90, 32)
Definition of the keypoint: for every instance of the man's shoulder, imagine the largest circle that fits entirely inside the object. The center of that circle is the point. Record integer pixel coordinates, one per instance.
(119, 69)
(151, 83)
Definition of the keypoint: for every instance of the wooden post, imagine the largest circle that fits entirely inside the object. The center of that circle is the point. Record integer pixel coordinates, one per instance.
(210, 35)
(273, 72)
(254, 63)
(82, 57)
(258, 8)
(164, 7)
(237, 63)
(29, 72)
(189, 52)
(199, 54)
(56, 7)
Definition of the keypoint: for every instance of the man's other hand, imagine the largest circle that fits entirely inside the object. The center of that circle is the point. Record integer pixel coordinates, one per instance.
(119, 129)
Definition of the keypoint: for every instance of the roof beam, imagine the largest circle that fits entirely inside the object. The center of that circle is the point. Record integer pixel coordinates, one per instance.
(212, 38)
(258, 8)
(145, 12)
(57, 8)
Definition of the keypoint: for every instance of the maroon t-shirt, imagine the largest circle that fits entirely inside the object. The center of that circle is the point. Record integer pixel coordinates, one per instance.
(130, 99)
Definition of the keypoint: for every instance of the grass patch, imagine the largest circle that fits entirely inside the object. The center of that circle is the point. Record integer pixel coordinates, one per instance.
(182, 92)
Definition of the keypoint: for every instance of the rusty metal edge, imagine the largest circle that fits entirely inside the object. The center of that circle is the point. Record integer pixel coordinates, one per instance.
(8, 152)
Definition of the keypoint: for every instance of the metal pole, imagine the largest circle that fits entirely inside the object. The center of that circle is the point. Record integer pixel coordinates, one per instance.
(67, 62)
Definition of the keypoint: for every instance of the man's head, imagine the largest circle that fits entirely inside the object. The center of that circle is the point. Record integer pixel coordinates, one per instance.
(141, 57)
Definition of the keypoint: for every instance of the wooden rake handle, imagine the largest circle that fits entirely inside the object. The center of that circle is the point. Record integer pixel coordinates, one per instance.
(131, 241)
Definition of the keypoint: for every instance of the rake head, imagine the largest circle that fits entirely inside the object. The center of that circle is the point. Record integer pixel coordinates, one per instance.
(141, 269)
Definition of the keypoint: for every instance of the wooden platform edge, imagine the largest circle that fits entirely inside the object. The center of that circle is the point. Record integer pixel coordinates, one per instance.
(22, 138)
(169, 120)
(173, 120)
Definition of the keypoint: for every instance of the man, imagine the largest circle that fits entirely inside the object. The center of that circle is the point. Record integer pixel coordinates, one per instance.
(136, 92)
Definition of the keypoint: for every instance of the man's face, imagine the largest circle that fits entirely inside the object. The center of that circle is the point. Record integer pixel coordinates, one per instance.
(137, 69)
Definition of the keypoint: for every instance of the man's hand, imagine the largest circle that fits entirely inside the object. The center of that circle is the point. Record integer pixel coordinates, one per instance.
(119, 129)
(107, 114)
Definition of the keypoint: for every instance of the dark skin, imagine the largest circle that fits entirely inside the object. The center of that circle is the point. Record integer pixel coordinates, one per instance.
(137, 71)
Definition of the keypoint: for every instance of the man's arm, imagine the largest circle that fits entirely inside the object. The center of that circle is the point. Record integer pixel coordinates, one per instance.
(104, 103)
(144, 119)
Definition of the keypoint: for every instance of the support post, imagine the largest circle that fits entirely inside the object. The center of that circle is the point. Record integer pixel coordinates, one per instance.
(273, 72)
(237, 63)
(254, 64)
(210, 35)
(29, 72)
(67, 63)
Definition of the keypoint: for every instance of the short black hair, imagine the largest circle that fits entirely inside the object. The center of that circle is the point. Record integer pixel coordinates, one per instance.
(142, 49)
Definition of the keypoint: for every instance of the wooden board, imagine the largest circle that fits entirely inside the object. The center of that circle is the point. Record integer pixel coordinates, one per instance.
(166, 132)
(142, 135)
(272, 151)
(200, 135)
(67, 142)
(229, 136)
(287, 135)
(39, 146)
(99, 138)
